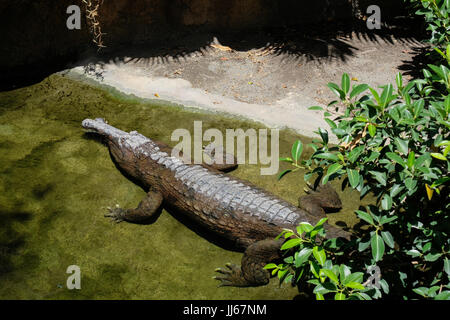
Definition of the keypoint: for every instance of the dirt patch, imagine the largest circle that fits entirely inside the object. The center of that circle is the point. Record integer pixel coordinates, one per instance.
(272, 82)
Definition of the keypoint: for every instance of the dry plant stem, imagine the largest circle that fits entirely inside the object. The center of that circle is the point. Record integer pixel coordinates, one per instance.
(92, 7)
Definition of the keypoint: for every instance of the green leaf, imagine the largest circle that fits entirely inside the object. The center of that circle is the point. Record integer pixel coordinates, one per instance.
(324, 135)
(384, 285)
(365, 216)
(447, 103)
(355, 153)
(353, 177)
(418, 106)
(363, 295)
(355, 285)
(307, 227)
(270, 266)
(336, 90)
(386, 95)
(421, 291)
(431, 257)
(361, 119)
(296, 151)
(291, 243)
(319, 296)
(363, 246)
(372, 130)
(410, 184)
(334, 168)
(327, 156)
(302, 257)
(395, 190)
(331, 123)
(340, 296)
(377, 245)
(413, 253)
(282, 174)
(282, 274)
(439, 156)
(399, 80)
(315, 108)
(386, 219)
(321, 289)
(396, 158)
(354, 277)
(386, 202)
(320, 255)
(330, 274)
(321, 222)
(440, 181)
(315, 268)
(438, 71)
(379, 176)
(344, 272)
(447, 266)
(358, 89)
(345, 83)
(444, 295)
(375, 95)
(402, 145)
(373, 155)
(388, 239)
(411, 158)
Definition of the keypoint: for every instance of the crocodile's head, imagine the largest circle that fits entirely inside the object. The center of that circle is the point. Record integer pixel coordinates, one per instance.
(122, 145)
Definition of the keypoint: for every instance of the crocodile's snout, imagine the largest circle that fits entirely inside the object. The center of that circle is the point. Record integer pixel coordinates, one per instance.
(97, 125)
(100, 126)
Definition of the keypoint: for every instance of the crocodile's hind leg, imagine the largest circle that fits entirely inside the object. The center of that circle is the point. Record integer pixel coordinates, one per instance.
(251, 273)
(213, 156)
(148, 208)
(323, 197)
(316, 200)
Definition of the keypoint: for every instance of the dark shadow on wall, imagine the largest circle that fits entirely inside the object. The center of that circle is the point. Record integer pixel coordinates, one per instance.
(322, 42)
(300, 40)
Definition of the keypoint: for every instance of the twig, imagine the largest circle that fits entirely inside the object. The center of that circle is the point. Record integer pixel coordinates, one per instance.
(92, 7)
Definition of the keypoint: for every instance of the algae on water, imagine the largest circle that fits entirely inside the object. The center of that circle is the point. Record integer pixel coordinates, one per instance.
(55, 185)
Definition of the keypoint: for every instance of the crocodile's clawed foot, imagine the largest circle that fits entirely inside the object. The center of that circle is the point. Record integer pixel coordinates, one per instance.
(232, 276)
(116, 214)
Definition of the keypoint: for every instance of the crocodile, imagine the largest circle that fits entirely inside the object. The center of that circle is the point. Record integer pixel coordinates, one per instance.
(229, 207)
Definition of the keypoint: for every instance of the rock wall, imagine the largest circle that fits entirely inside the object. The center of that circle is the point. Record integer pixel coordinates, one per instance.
(35, 36)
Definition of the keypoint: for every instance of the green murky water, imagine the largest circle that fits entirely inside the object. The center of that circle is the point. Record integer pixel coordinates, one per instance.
(55, 186)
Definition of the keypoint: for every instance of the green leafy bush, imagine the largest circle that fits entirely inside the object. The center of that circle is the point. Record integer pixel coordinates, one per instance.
(436, 15)
(393, 143)
(315, 258)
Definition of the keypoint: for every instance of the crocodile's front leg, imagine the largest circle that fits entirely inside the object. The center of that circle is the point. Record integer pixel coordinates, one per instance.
(149, 207)
(216, 157)
(251, 273)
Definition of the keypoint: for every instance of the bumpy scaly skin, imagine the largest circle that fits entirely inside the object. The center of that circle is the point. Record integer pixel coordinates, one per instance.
(230, 207)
